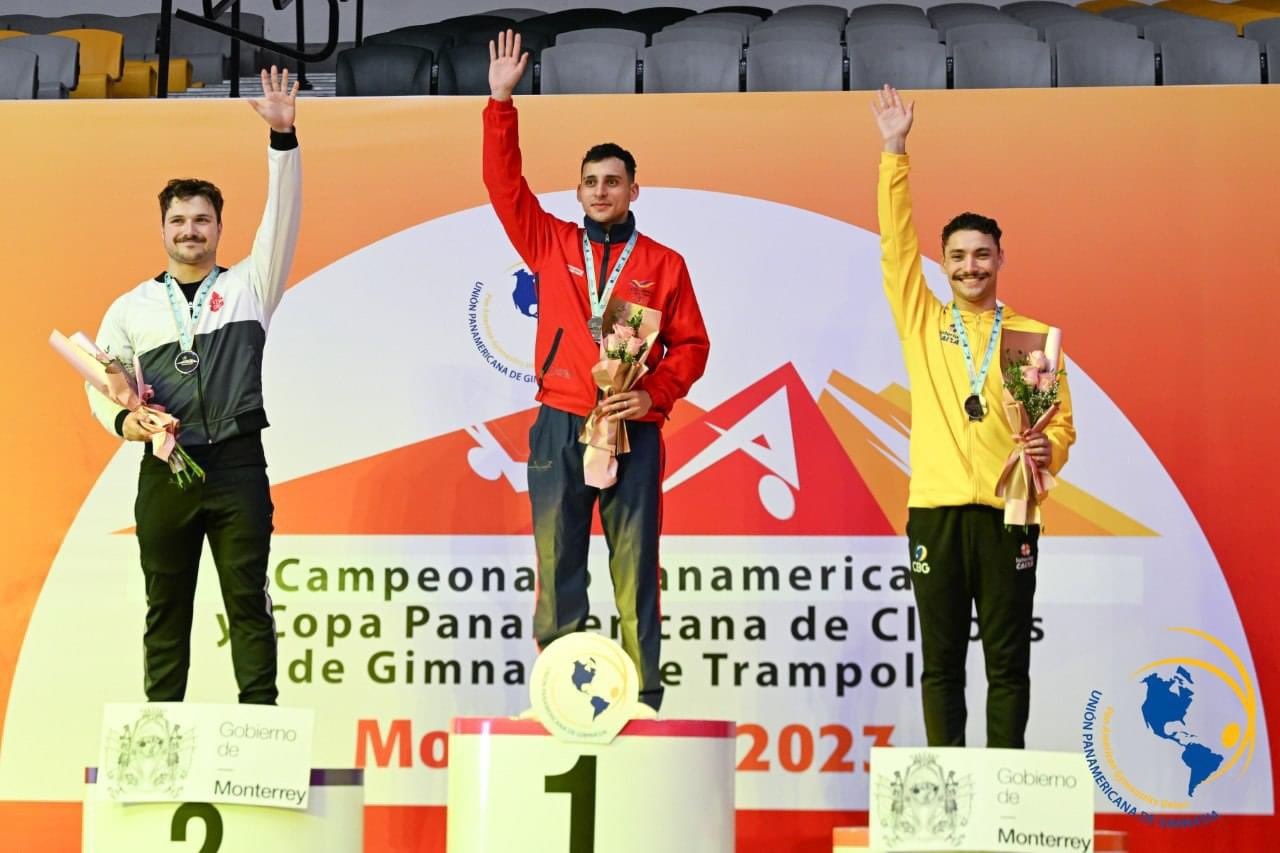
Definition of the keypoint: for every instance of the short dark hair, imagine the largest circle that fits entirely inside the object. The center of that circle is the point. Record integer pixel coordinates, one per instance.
(972, 222)
(605, 150)
(185, 188)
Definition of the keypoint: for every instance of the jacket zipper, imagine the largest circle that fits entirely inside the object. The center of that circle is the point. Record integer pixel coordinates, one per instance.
(604, 265)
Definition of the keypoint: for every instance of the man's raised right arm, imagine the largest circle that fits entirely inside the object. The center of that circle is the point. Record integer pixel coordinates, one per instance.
(904, 282)
(522, 217)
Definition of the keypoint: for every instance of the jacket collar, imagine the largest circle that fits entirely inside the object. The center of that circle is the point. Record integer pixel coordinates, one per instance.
(619, 233)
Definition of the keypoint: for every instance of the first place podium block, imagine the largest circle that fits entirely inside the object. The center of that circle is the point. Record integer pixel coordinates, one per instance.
(660, 785)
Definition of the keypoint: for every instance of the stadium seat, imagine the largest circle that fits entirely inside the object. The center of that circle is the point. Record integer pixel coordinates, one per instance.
(1104, 60)
(101, 61)
(1210, 59)
(795, 66)
(633, 39)
(888, 13)
(994, 30)
(692, 67)
(39, 24)
(890, 33)
(464, 70)
(1001, 64)
(907, 64)
(829, 16)
(422, 36)
(699, 35)
(1096, 28)
(18, 70)
(518, 14)
(383, 69)
(654, 18)
(59, 63)
(771, 31)
(1192, 28)
(588, 69)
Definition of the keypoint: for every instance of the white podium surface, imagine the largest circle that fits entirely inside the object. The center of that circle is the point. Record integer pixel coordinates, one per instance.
(333, 822)
(660, 785)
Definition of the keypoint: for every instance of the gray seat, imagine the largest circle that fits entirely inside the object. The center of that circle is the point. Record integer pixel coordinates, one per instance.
(139, 31)
(888, 13)
(1273, 61)
(424, 37)
(207, 51)
(1035, 5)
(987, 32)
(517, 14)
(1002, 64)
(1210, 59)
(1264, 32)
(890, 33)
(604, 35)
(822, 15)
(588, 69)
(464, 70)
(795, 66)
(720, 20)
(1194, 28)
(906, 64)
(959, 14)
(699, 35)
(768, 32)
(945, 23)
(1143, 15)
(1096, 28)
(1041, 19)
(1105, 60)
(18, 70)
(39, 24)
(59, 65)
(692, 67)
(383, 69)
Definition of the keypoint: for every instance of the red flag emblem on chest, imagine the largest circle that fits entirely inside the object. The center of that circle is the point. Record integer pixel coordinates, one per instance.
(215, 301)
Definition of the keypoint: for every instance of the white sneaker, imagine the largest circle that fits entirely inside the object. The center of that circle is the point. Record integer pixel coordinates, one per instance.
(644, 712)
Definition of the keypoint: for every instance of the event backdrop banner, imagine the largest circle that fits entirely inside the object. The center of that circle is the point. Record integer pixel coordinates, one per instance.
(399, 383)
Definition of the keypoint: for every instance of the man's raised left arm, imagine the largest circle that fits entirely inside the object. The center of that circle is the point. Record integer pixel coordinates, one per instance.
(268, 264)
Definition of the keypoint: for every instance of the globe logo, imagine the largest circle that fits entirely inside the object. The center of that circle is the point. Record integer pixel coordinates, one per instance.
(1187, 723)
(500, 314)
(583, 688)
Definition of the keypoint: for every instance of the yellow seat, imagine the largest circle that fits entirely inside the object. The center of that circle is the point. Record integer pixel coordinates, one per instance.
(8, 34)
(139, 80)
(1235, 14)
(101, 61)
(179, 72)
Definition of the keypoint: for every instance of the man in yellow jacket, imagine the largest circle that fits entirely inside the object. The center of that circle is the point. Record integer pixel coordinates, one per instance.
(962, 553)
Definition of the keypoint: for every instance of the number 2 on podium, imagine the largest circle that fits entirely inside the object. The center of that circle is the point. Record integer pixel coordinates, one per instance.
(579, 782)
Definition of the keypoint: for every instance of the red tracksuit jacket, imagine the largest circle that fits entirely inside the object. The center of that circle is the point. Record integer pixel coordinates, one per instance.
(656, 276)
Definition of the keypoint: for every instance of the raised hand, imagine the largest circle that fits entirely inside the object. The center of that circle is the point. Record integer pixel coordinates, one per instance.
(506, 65)
(894, 118)
(278, 104)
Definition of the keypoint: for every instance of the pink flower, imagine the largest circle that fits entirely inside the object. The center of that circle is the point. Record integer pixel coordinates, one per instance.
(623, 331)
(611, 343)
(1045, 382)
(634, 345)
(1038, 361)
(1031, 375)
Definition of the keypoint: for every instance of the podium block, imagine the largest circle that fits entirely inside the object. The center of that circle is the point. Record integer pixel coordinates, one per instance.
(660, 785)
(333, 821)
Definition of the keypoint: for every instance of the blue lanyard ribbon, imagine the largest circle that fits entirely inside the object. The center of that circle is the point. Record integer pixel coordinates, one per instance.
(977, 380)
(188, 320)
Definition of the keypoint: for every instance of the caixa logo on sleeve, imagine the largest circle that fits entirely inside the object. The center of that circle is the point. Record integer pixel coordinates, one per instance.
(1174, 744)
(502, 315)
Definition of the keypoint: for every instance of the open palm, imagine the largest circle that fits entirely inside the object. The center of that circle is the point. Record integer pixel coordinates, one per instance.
(506, 65)
(893, 117)
(278, 104)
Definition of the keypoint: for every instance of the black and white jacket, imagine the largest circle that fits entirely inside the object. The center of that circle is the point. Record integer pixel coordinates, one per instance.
(223, 398)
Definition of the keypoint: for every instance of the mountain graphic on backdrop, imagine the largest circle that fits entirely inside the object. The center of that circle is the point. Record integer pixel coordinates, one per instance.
(769, 460)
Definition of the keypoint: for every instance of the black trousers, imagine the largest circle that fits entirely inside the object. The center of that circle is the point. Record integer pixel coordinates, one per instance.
(962, 556)
(631, 515)
(232, 508)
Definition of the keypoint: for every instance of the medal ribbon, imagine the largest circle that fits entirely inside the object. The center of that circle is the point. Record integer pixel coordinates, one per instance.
(600, 300)
(187, 321)
(976, 380)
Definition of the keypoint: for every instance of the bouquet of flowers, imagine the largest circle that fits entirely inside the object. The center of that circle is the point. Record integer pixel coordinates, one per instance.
(621, 364)
(109, 377)
(1030, 402)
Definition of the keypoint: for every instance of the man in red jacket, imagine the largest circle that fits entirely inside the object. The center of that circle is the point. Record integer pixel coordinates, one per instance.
(578, 269)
